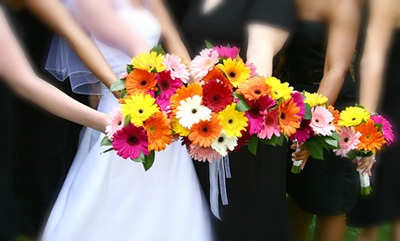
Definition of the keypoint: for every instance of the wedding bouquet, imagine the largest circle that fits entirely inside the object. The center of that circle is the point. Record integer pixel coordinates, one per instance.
(230, 106)
(362, 135)
(318, 128)
(142, 126)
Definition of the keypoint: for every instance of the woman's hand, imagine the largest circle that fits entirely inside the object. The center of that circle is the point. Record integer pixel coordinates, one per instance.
(365, 164)
(300, 154)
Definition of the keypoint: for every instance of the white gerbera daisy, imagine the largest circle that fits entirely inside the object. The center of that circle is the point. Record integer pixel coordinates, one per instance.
(224, 143)
(191, 111)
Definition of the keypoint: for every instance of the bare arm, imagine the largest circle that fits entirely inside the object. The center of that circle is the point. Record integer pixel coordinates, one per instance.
(379, 32)
(17, 73)
(54, 14)
(263, 43)
(343, 31)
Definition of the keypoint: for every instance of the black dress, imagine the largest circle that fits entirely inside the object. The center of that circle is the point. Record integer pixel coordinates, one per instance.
(256, 191)
(330, 186)
(384, 203)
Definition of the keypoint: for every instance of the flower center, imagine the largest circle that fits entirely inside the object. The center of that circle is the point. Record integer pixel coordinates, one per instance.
(220, 139)
(346, 139)
(140, 111)
(257, 92)
(164, 84)
(194, 111)
(353, 119)
(283, 116)
(232, 74)
(132, 140)
(230, 121)
(205, 129)
(269, 121)
(216, 98)
(143, 82)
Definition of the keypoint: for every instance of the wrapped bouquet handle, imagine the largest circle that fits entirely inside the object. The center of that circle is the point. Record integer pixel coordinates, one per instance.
(364, 180)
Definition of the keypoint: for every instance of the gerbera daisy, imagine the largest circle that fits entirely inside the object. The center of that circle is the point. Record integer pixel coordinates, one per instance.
(321, 121)
(235, 70)
(227, 52)
(177, 69)
(183, 93)
(115, 123)
(203, 63)
(255, 115)
(349, 140)
(191, 111)
(139, 107)
(203, 154)
(151, 62)
(270, 125)
(371, 139)
(140, 81)
(216, 95)
(167, 85)
(158, 132)
(313, 99)
(386, 127)
(303, 133)
(254, 89)
(233, 121)
(336, 117)
(288, 117)
(205, 132)
(253, 69)
(278, 89)
(299, 100)
(353, 115)
(130, 141)
(224, 143)
(216, 74)
(177, 128)
(163, 102)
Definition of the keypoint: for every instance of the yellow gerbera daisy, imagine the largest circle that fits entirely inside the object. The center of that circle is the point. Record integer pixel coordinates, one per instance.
(140, 107)
(235, 70)
(233, 121)
(151, 62)
(313, 99)
(177, 128)
(353, 116)
(278, 89)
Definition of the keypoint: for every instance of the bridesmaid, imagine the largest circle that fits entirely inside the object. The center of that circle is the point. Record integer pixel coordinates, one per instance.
(317, 59)
(256, 191)
(379, 73)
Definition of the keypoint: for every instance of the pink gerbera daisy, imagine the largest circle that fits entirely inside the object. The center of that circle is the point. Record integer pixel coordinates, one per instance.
(203, 154)
(167, 86)
(255, 115)
(227, 52)
(116, 122)
(321, 121)
(303, 133)
(349, 140)
(176, 68)
(130, 141)
(253, 69)
(387, 129)
(270, 125)
(299, 100)
(163, 102)
(203, 63)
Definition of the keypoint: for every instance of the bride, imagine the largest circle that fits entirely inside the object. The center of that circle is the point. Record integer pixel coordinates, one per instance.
(104, 196)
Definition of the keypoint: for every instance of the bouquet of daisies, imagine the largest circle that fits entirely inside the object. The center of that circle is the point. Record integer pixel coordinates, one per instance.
(141, 125)
(318, 128)
(362, 135)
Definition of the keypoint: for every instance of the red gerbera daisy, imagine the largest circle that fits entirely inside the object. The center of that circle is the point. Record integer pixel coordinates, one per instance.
(216, 95)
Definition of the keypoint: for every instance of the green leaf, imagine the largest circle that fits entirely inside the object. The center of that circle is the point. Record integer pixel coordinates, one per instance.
(129, 68)
(308, 114)
(148, 161)
(274, 141)
(352, 154)
(208, 44)
(127, 120)
(242, 106)
(252, 146)
(118, 85)
(108, 150)
(332, 143)
(336, 136)
(315, 148)
(123, 93)
(140, 159)
(279, 140)
(270, 142)
(105, 142)
(158, 49)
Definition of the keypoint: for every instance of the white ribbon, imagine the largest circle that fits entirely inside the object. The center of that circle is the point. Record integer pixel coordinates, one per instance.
(364, 178)
(299, 162)
(219, 171)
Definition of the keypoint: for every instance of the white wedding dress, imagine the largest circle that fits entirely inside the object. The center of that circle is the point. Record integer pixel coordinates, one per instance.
(105, 197)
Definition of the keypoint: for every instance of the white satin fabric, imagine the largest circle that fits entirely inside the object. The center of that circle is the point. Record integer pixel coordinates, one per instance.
(105, 197)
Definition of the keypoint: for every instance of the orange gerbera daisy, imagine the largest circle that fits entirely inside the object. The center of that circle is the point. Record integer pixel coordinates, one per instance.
(216, 73)
(254, 89)
(205, 132)
(140, 81)
(184, 92)
(158, 132)
(371, 138)
(288, 118)
(336, 117)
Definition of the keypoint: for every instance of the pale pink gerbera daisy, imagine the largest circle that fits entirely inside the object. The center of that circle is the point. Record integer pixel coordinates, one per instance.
(271, 126)
(203, 154)
(115, 123)
(203, 63)
(176, 67)
(321, 121)
(130, 141)
(253, 69)
(387, 129)
(349, 139)
(227, 52)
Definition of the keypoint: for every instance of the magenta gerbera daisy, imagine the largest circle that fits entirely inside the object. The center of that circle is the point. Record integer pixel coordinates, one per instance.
(270, 125)
(255, 115)
(299, 100)
(387, 129)
(227, 52)
(321, 121)
(216, 95)
(177, 69)
(303, 133)
(167, 85)
(130, 141)
(349, 140)
(164, 103)
(203, 63)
